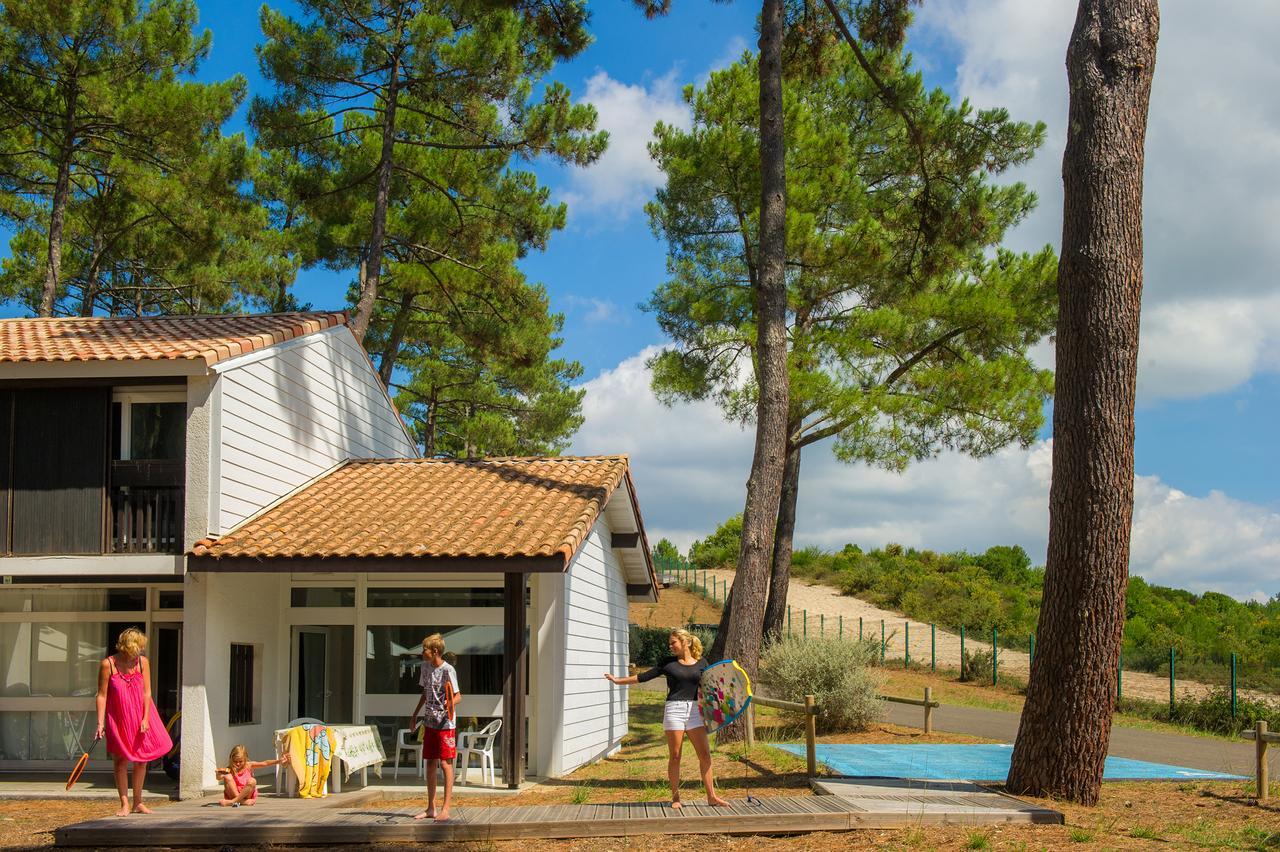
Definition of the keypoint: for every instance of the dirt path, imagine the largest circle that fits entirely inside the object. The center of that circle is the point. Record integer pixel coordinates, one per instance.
(826, 606)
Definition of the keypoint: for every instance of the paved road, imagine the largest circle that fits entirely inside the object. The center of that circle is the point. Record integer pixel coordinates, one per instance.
(1195, 752)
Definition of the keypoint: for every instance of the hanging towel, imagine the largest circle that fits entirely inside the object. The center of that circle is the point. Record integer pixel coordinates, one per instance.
(310, 754)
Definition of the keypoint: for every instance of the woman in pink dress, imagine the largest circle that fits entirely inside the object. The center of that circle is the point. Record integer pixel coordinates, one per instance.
(128, 717)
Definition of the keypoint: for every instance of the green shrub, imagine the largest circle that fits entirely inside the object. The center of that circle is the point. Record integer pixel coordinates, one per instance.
(1210, 713)
(835, 671)
(649, 644)
(976, 666)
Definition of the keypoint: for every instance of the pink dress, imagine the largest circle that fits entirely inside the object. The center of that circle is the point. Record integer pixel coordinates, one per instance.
(241, 778)
(125, 700)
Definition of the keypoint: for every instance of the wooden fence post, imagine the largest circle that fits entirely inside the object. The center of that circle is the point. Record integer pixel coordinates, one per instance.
(810, 735)
(928, 710)
(1260, 750)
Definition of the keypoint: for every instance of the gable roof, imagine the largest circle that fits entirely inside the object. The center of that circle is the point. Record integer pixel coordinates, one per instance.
(210, 339)
(427, 510)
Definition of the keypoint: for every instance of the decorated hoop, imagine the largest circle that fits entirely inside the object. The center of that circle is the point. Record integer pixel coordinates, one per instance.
(723, 694)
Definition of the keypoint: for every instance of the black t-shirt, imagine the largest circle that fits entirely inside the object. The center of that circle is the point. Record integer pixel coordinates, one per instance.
(682, 680)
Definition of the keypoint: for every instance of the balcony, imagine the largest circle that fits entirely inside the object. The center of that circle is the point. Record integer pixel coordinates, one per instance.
(146, 508)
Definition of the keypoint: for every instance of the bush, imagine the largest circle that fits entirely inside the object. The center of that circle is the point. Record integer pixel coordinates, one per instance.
(1211, 713)
(649, 644)
(835, 671)
(976, 666)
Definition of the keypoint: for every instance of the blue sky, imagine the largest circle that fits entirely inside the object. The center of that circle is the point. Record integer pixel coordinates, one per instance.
(1206, 458)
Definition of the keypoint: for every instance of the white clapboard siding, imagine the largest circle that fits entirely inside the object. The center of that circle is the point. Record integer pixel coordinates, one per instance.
(290, 416)
(595, 630)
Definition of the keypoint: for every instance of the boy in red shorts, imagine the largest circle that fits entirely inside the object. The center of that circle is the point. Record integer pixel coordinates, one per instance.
(438, 705)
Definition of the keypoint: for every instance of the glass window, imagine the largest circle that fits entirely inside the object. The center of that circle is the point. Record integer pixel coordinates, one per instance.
(317, 596)
(393, 658)
(443, 598)
(74, 600)
(157, 430)
(169, 599)
(55, 659)
(241, 709)
(59, 735)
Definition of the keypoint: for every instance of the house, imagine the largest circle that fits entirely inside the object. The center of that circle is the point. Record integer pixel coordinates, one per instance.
(243, 489)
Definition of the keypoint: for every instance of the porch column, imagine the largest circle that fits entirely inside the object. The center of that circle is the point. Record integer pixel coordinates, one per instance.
(515, 657)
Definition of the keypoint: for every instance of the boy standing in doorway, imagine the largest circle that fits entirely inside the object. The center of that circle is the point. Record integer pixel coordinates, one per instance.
(438, 705)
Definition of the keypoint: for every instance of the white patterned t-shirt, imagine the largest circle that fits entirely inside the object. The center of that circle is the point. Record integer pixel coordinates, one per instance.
(435, 708)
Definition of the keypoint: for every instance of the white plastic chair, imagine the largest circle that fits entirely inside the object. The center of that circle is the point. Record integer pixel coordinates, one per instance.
(479, 743)
(280, 770)
(407, 740)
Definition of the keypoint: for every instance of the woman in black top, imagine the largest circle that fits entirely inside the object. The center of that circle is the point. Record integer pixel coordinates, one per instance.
(681, 716)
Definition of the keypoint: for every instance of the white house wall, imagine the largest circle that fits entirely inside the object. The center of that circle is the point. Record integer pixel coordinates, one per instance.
(594, 712)
(293, 412)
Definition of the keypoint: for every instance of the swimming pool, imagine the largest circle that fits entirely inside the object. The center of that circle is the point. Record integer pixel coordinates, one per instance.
(978, 762)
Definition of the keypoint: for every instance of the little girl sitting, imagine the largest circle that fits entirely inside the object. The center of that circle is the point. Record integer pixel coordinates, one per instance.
(239, 787)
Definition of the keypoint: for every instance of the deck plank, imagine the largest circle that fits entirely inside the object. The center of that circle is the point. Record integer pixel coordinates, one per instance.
(328, 823)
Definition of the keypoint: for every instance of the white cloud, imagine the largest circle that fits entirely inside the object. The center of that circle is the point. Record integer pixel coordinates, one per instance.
(596, 311)
(620, 182)
(691, 468)
(1212, 193)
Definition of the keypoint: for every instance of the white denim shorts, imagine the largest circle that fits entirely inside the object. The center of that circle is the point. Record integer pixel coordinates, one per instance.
(681, 716)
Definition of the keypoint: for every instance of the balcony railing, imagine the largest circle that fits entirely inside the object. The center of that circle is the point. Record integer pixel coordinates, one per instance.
(147, 507)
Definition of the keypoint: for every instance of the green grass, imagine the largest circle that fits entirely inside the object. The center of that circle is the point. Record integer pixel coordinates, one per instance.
(581, 794)
(1080, 835)
(1141, 832)
(978, 840)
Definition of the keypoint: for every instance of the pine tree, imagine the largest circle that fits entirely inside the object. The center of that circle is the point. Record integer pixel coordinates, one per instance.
(361, 87)
(907, 334)
(92, 96)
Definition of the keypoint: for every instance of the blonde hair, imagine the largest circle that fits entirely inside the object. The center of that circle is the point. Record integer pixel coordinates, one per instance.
(694, 643)
(131, 641)
(237, 751)
(434, 642)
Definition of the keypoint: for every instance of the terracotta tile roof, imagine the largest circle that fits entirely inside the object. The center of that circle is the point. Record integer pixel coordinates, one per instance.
(172, 338)
(433, 508)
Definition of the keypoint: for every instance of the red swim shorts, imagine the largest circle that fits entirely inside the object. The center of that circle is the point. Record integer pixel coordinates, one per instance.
(439, 744)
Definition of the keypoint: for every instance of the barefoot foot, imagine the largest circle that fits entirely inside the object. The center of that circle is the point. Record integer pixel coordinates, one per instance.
(141, 809)
(124, 811)
(443, 816)
(675, 805)
(717, 801)
(425, 815)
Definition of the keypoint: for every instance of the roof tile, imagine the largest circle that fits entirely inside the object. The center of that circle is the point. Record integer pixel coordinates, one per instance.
(212, 338)
(433, 508)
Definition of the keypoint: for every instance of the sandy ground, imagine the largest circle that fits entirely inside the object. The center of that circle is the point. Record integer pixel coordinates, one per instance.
(826, 606)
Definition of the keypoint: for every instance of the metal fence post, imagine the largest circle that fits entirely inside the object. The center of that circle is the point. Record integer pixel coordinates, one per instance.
(1032, 640)
(842, 625)
(882, 643)
(1120, 678)
(822, 624)
(933, 648)
(788, 619)
(928, 710)
(859, 628)
(995, 656)
(906, 644)
(1172, 667)
(804, 622)
(962, 675)
(1233, 686)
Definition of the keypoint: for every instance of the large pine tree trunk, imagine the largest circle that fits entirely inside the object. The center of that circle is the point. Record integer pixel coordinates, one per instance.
(742, 627)
(371, 267)
(57, 215)
(775, 613)
(395, 338)
(1066, 721)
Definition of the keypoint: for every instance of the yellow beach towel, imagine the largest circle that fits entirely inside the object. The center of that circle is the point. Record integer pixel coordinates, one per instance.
(310, 754)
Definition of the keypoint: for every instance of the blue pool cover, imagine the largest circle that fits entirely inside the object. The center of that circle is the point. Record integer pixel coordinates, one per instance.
(984, 762)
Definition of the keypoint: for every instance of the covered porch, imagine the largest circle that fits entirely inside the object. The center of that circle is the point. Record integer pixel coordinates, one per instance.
(317, 609)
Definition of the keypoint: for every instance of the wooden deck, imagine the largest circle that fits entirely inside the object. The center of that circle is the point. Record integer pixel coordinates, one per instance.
(864, 803)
